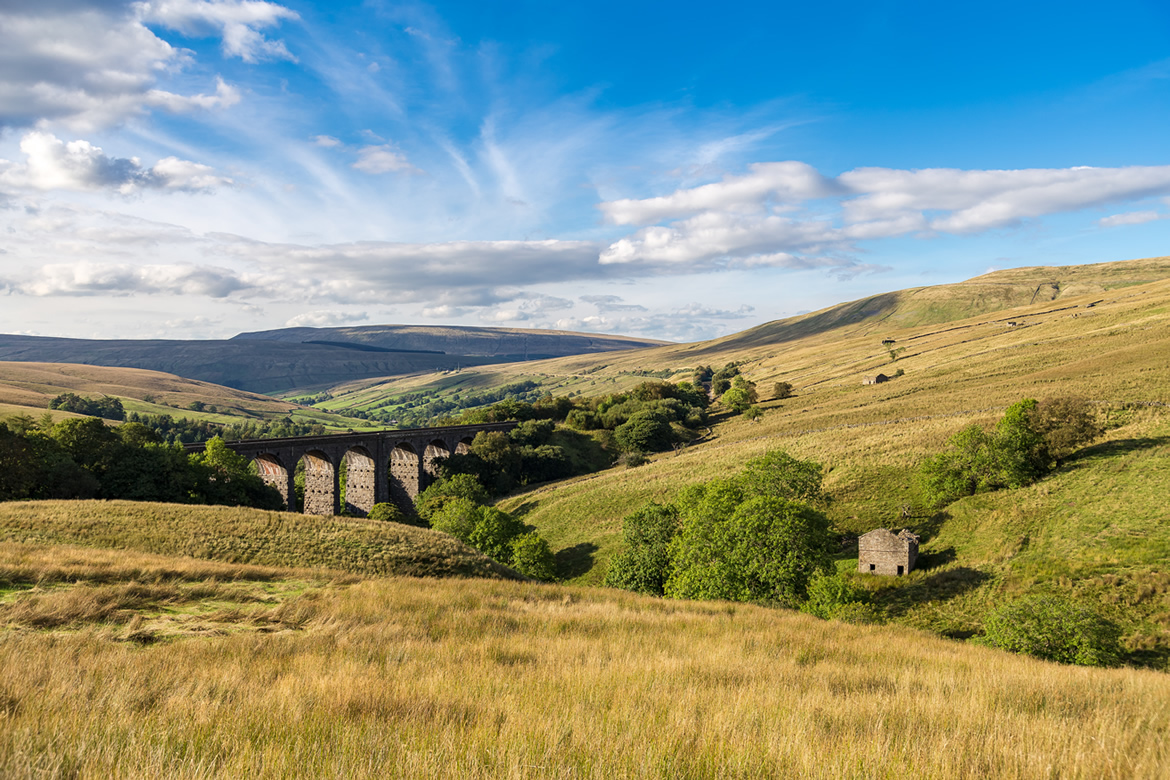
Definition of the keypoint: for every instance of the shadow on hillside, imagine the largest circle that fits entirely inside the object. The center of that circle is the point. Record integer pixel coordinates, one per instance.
(524, 509)
(1109, 449)
(943, 586)
(575, 561)
(932, 560)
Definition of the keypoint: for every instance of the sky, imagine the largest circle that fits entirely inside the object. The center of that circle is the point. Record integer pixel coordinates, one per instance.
(681, 171)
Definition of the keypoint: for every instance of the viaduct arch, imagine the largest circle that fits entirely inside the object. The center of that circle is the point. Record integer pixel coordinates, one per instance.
(380, 466)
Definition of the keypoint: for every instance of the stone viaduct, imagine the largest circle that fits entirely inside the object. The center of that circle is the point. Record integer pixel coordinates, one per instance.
(380, 466)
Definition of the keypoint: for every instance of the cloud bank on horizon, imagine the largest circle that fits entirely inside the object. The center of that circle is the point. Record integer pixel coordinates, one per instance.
(203, 167)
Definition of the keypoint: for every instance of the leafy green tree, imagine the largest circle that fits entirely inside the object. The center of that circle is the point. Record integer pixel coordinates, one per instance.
(646, 431)
(1054, 629)
(779, 475)
(644, 565)
(458, 517)
(437, 494)
(18, 467)
(765, 549)
(89, 442)
(740, 396)
(1066, 424)
(494, 532)
(532, 557)
(227, 478)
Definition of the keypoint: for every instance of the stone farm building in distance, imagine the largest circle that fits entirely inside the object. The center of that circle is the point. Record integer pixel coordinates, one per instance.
(881, 551)
(875, 380)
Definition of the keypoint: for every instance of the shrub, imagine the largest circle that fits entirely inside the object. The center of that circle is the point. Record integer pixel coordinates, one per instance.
(830, 594)
(782, 390)
(386, 512)
(532, 557)
(494, 532)
(740, 396)
(1054, 629)
(632, 460)
(753, 413)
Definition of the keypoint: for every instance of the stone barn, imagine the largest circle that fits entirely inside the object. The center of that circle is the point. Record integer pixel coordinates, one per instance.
(875, 380)
(881, 551)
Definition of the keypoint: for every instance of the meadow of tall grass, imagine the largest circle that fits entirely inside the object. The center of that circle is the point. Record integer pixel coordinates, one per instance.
(402, 677)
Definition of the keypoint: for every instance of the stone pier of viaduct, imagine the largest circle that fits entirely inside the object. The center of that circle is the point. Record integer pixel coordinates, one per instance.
(380, 466)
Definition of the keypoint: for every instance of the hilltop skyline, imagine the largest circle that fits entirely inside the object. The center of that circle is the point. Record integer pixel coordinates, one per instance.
(195, 169)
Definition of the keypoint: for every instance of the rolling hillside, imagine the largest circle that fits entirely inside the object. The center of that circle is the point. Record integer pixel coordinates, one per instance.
(303, 358)
(27, 388)
(768, 347)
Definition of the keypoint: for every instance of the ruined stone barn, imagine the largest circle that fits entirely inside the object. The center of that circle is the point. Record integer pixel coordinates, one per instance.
(875, 380)
(881, 551)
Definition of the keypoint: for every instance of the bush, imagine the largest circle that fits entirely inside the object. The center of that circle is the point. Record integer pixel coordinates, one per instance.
(782, 390)
(829, 595)
(753, 413)
(532, 557)
(632, 460)
(386, 512)
(1054, 629)
(431, 501)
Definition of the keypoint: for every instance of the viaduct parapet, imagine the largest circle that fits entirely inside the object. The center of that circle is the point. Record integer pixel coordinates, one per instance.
(380, 466)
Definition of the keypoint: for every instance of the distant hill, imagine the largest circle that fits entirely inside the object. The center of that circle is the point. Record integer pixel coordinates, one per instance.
(280, 360)
(504, 344)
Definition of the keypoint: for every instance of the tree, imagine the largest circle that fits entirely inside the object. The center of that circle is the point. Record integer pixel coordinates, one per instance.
(740, 396)
(830, 595)
(1066, 424)
(782, 390)
(779, 475)
(457, 517)
(494, 532)
(644, 565)
(766, 550)
(437, 494)
(645, 431)
(1054, 629)
(532, 557)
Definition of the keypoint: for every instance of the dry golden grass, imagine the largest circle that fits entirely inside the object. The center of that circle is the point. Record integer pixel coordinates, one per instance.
(244, 535)
(409, 678)
(35, 384)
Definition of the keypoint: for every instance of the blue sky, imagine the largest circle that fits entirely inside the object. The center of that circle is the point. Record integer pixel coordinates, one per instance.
(198, 168)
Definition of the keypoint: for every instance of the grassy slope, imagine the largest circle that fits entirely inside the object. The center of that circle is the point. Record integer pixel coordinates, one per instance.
(248, 536)
(768, 348)
(1096, 528)
(165, 667)
(27, 388)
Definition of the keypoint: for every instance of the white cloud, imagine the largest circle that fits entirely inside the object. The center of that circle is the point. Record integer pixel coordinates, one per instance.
(1131, 218)
(327, 141)
(956, 201)
(88, 65)
(325, 319)
(785, 182)
(382, 159)
(87, 279)
(53, 164)
(238, 23)
(788, 215)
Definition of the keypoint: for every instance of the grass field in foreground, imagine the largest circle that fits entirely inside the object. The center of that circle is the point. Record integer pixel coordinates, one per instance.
(484, 679)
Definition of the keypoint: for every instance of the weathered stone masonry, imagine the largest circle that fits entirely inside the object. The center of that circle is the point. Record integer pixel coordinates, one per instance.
(380, 466)
(881, 551)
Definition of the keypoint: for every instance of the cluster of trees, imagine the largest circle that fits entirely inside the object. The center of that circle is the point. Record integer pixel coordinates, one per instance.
(758, 536)
(82, 457)
(734, 391)
(106, 407)
(1028, 442)
(651, 417)
(459, 506)
(172, 430)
